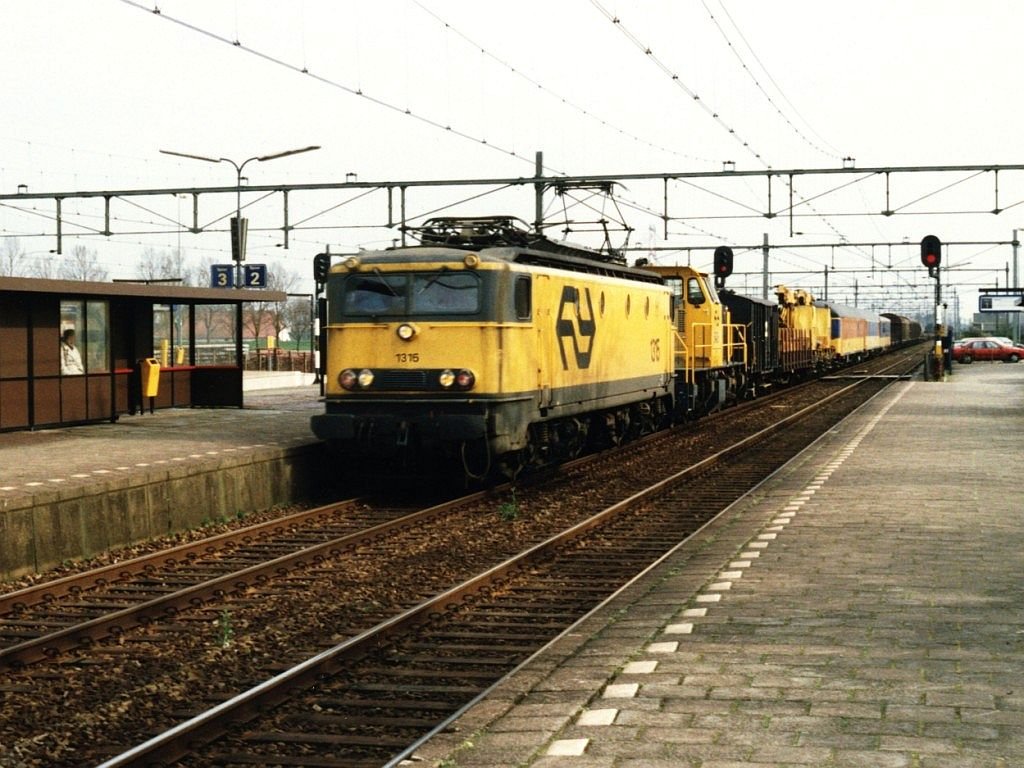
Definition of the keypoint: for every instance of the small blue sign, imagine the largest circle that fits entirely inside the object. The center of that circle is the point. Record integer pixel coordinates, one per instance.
(255, 275)
(222, 275)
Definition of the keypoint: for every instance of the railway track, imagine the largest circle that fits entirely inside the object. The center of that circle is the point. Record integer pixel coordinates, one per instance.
(510, 617)
(45, 620)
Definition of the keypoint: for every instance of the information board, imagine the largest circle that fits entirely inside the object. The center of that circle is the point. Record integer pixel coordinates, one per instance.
(1001, 302)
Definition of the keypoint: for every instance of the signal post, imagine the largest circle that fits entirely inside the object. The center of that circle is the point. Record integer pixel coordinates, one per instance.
(931, 257)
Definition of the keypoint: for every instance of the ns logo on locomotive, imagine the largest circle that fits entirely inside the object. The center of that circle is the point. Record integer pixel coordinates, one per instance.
(487, 349)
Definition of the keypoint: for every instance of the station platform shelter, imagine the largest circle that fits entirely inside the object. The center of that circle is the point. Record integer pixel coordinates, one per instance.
(193, 334)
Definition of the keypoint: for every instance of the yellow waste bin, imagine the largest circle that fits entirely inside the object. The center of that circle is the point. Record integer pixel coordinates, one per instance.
(150, 376)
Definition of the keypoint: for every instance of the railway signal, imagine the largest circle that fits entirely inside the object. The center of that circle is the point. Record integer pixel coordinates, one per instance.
(321, 266)
(723, 264)
(931, 253)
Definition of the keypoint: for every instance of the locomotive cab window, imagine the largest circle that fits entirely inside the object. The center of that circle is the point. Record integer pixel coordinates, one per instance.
(442, 292)
(523, 299)
(445, 292)
(375, 294)
(694, 294)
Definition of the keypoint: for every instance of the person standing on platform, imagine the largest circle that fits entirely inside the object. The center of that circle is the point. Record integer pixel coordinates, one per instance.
(70, 358)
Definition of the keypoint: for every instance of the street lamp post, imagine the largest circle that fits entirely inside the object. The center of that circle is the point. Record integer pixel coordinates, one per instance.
(238, 224)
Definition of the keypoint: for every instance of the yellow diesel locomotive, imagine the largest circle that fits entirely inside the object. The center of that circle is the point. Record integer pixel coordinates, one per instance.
(485, 348)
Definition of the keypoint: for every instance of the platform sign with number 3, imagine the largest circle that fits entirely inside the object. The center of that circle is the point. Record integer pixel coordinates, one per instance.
(222, 275)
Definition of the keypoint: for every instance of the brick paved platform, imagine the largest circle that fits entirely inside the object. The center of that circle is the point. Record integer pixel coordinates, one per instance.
(863, 608)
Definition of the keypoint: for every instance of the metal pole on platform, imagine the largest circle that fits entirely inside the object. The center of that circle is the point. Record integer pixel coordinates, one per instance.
(1016, 284)
(764, 283)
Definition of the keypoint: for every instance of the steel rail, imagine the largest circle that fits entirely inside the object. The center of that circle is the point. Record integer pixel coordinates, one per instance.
(87, 632)
(103, 576)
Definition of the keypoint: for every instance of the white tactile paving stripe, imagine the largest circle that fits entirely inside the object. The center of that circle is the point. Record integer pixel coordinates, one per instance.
(666, 647)
(640, 668)
(568, 747)
(597, 717)
(621, 690)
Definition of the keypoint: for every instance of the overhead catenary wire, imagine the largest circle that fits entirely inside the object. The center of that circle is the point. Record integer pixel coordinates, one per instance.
(640, 45)
(676, 80)
(357, 91)
(832, 151)
(518, 72)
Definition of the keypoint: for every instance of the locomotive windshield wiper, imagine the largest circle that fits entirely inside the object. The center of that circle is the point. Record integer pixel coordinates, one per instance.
(434, 279)
(383, 281)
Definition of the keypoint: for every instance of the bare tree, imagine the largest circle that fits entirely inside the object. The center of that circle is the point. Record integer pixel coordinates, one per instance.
(199, 275)
(162, 265)
(260, 316)
(299, 321)
(12, 258)
(46, 266)
(82, 264)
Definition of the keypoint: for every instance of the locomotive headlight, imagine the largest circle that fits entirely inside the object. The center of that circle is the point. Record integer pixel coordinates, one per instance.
(365, 378)
(465, 379)
(348, 379)
(446, 378)
(351, 263)
(406, 331)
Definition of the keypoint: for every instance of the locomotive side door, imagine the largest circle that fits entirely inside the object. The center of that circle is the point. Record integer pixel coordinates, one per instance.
(547, 350)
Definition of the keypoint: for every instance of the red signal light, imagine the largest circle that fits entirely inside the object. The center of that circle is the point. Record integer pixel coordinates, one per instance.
(931, 252)
(723, 261)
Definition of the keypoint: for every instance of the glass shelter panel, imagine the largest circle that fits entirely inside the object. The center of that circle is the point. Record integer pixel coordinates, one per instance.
(84, 337)
(215, 334)
(97, 337)
(162, 334)
(180, 328)
(72, 325)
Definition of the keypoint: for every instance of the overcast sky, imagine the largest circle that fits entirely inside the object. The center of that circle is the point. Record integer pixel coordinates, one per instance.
(93, 90)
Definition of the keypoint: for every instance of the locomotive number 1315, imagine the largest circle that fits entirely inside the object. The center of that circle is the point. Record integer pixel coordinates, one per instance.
(407, 357)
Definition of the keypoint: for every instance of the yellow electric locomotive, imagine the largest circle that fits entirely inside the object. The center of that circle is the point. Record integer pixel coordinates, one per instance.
(487, 348)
